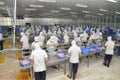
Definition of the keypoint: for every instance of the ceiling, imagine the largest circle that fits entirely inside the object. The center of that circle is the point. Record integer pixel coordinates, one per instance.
(93, 6)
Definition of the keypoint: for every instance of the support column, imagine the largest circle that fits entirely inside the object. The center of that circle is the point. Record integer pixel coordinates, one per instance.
(14, 24)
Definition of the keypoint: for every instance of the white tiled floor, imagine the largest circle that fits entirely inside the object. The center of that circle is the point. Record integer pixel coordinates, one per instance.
(96, 70)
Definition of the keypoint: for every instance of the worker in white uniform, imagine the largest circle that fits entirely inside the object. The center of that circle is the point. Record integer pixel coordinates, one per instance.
(74, 52)
(51, 46)
(98, 37)
(24, 41)
(84, 38)
(75, 34)
(39, 58)
(109, 52)
(92, 38)
(36, 41)
(66, 38)
(78, 41)
(25, 44)
(1, 41)
(41, 39)
(55, 38)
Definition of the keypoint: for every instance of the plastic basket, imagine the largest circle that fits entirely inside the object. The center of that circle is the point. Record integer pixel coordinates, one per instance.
(85, 50)
(22, 76)
(2, 58)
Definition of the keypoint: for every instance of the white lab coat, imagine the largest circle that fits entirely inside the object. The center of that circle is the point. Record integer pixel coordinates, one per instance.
(66, 38)
(75, 51)
(84, 36)
(41, 39)
(24, 41)
(38, 56)
(109, 46)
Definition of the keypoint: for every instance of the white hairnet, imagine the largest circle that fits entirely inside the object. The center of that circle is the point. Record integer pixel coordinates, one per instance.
(36, 39)
(73, 42)
(109, 38)
(22, 33)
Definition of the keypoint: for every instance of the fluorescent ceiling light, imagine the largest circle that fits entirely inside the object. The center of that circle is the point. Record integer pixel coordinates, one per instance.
(48, 1)
(30, 9)
(2, 3)
(112, 1)
(117, 12)
(73, 12)
(86, 11)
(64, 8)
(55, 11)
(36, 5)
(81, 5)
(100, 14)
(103, 10)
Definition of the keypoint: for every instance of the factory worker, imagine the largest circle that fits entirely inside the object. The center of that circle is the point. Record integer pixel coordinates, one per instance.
(75, 34)
(74, 52)
(98, 37)
(36, 41)
(69, 29)
(24, 41)
(37, 30)
(39, 58)
(92, 38)
(56, 39)
(81, 29)
(65, 31)
(28, 32)
(51, 46)
(1, 41)
(78, 41)
(49, 33)
(44, 32)
(84, 37)
(66, 38)
(59, 31)
(77, 29)
(109, 52)
(41, 39)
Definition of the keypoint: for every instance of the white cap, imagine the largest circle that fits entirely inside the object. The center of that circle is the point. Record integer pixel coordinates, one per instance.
(36, 39)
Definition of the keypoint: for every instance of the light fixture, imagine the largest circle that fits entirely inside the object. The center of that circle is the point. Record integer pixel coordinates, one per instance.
(36, 5)
(86, 11)
(73, 13)
(81, 5)
(2, 3)
(48, 1)
(30, 9)
(114, 1)
(117, 12)
(100, 14)
(64, 8)
(103, 10)
(55, 11)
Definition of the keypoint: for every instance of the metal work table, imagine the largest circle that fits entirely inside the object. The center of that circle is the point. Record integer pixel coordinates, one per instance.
(55, 61)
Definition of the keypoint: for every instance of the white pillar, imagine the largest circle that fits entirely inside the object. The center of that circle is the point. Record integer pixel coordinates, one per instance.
(14, 24)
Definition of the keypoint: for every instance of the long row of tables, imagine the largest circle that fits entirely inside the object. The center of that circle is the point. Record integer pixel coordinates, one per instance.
(55, 61)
